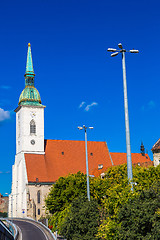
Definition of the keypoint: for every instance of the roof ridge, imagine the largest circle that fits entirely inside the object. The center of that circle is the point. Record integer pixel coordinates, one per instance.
(72, 140)
(156, 143)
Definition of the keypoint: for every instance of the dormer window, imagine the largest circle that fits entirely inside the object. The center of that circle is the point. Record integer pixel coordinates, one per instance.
(32, 127)
(100, 166)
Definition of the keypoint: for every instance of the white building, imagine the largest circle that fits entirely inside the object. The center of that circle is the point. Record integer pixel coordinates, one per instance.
(29, 139)
(156, 153)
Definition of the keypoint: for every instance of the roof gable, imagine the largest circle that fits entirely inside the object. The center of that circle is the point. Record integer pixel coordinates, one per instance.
(156, 146)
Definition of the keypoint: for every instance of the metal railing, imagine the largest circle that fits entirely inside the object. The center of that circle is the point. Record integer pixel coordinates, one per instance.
(8, 230)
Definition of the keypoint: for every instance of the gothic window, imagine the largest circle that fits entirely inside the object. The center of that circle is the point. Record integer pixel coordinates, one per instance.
(38, 197)
(32, 127)
(39, 211)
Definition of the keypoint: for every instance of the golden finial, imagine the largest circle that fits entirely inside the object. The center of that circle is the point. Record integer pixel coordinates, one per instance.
(29, 44)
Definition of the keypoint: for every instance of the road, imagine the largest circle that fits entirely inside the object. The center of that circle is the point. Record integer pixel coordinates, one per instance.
(30, 231)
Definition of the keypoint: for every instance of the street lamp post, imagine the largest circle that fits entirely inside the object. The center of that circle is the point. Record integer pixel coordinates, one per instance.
(87, 171)
(128, 145)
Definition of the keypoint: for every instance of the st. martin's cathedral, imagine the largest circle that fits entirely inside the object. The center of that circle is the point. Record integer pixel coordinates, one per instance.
(40, 162)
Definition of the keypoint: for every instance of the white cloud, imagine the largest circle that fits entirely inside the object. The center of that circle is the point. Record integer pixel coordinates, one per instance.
(150, 105)
(5, 87)
(87, 108)
(4, 115)
(4, 172)
(82, 104)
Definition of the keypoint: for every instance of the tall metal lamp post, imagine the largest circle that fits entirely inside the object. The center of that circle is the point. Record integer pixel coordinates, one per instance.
(128, 146)
(87, 171)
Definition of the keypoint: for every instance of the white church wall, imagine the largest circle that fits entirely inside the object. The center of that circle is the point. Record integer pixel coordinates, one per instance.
(18, 202)
(23, 119)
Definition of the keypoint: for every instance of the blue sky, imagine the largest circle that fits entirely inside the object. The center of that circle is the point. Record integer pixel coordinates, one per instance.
(69, 39)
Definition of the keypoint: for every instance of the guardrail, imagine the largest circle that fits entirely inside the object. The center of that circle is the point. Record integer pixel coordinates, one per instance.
(9, 228)
(15, 231)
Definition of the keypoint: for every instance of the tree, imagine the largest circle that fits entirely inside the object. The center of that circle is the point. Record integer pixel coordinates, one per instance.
(140, 218)
(118, 194)
(64, 191)
(82, 220)
(3, 214)
(68, 188)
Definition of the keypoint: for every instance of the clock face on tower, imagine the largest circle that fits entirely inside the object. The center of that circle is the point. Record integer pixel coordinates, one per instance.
(32, 141)
(33, 114)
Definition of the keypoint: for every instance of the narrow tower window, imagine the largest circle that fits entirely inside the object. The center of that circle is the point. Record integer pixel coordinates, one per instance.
(32, 127)
(38, 197)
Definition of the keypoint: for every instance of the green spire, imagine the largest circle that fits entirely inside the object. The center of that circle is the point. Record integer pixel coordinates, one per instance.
(29, 65)
(30, 95)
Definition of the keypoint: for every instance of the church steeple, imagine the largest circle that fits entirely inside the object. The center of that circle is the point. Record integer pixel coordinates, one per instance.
(29, 75)
(30, 95)
(29, 65)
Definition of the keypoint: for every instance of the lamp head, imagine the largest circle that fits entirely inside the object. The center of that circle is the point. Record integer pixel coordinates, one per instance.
(120, 45)
(133, 51)
(80, 128)
(114, 54)
(111, 50)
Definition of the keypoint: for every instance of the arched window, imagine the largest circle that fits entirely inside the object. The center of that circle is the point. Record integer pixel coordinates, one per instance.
(32, 127)
(38, 197)
(39, 212)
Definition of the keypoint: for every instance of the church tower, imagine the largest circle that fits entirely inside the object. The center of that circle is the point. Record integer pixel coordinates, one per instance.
(30, 115)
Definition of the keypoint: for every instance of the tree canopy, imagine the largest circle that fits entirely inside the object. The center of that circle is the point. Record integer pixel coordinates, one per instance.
(114, 198)
(82, 220)
(140, 218)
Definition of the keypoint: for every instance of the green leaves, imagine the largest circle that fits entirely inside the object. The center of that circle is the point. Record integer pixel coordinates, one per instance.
(139, 218)
(122, 214)
(82, 220)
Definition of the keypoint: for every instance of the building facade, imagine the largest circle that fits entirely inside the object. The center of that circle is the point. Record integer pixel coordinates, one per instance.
(29, 139)
(156, 153)
(3, 204)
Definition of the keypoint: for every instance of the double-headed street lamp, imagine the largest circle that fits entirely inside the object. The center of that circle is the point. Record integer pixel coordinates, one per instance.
(87, 171)
(128, 146)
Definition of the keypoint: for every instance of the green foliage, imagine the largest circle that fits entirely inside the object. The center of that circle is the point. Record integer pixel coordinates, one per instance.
(139, 218)
(118, 194)
(111, 193)
(3, 214)
(145, 177)
(64, 191)
(57, 219)
(82, 220)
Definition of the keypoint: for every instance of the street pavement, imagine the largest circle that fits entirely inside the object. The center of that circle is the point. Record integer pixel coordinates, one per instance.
(29, 231)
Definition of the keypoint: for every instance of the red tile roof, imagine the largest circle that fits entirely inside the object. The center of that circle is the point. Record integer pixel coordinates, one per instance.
(121, 158)
(66, 156)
